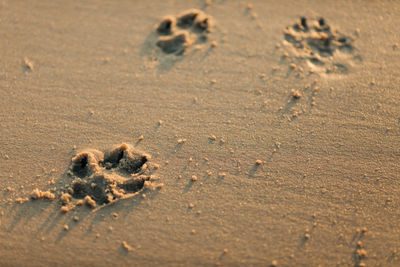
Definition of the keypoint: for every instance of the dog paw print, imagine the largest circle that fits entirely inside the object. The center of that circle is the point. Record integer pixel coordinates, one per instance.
(103, 177)
(324, 48)
(97, 178)
(176, 34)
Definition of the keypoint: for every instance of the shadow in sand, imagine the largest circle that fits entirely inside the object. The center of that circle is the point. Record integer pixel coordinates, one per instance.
(185, 167)
(253, 170)
(157, 126)
(74, 218)
(80, 214)
(25, 212)
(175, 149)
(188, 186)
(220, 178)
(122, 207)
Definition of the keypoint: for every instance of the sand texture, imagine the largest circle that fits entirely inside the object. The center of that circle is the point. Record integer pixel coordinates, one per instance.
(273, 129)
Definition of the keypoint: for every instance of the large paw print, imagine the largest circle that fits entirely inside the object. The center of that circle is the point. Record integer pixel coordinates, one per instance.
(176, 34)
(323, 47)
(99, 178)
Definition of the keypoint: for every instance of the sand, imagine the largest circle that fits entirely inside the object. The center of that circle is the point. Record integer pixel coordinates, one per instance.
(273, 127)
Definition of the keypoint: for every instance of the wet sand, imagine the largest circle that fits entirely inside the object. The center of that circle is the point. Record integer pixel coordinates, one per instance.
(275, 134)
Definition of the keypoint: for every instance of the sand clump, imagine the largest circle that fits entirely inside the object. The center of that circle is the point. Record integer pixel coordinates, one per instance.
(28, 64)
(126, 246)
(96, 178)
(178, 33)
(37, 194)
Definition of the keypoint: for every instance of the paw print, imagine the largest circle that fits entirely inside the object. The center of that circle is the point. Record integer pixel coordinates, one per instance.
(176, 34)
(324, 48)
(104, 177)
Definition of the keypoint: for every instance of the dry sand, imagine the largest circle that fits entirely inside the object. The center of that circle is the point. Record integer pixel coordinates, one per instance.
(274, 127)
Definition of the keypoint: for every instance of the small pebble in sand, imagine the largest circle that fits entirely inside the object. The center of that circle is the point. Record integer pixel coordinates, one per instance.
(90, 202)
(114, 214)
(364, 230)
(307, 236)
(160, 186)
(361, 253)
(254, 15)
(75, 218)
(359, 244)
(66, 227)
(249, 6)
(141, 138)
(181, 141)
(191, 205)
(65, 198)
(212, 137)
(225, 251)
(194, 178)
(64, 209)
(274, 263)
(190, 159)
(193, 232)
(144, 196)
(214, 44)
(29, 65)
(293, 66)
(259, 162)
(97, 235)
(160, 122)
(296, 94)
(222, 174)
(126, 246)
(198, 212)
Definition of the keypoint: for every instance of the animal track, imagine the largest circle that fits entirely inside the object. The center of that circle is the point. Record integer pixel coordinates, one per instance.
(324, 48)
(176, 34)
(98, 178)
(106, 177)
